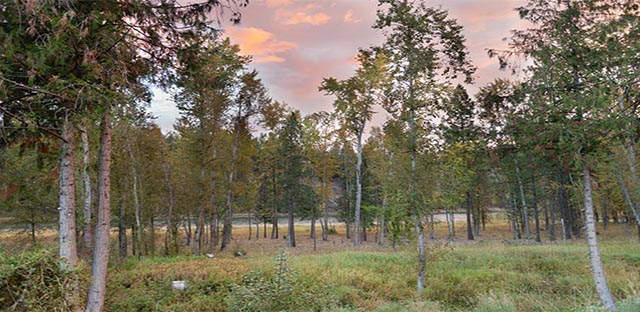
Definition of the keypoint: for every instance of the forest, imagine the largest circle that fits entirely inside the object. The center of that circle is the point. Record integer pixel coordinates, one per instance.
(524, 196)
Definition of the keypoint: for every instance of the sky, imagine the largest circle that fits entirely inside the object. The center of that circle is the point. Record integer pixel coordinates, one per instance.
(297, 43)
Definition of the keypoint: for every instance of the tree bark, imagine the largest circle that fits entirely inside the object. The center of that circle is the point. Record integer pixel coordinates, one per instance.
(534, 205)
(291, 233)
(171, 231)
(606, 299)
(68, 249)
(97, 285)
(136, 201)
(87, 231)
(228, 212)
(525, 211)
(468, 206)
(356, 226)
(122, 231)
(422, 253)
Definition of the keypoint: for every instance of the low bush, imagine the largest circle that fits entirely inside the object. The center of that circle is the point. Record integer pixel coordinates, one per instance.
(31, 281)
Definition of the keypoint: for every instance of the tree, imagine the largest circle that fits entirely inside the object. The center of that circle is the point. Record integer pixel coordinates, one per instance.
(355, 99)
(570, 48)
(291, 151)
(423, 44)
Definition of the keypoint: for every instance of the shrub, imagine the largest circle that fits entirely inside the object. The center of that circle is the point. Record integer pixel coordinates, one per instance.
(32, 282)
(279, 291)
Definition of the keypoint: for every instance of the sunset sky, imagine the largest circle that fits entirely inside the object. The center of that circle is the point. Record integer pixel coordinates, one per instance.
(295, 43)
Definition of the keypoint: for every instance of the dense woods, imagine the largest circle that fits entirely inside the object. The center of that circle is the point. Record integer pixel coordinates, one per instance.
(553, 153)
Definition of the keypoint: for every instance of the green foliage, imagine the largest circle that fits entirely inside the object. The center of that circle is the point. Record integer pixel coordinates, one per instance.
(31, 281)
(281, 290)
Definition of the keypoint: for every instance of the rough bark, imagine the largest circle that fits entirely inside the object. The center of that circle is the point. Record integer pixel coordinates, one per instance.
(97, 285)
(606, 299)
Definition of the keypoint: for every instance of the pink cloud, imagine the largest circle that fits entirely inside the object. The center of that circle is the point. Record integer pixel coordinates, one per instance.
(288, 17)
(277, 3)
(260, 43)
(349, 18)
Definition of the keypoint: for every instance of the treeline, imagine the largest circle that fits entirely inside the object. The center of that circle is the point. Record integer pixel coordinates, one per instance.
(556, 150)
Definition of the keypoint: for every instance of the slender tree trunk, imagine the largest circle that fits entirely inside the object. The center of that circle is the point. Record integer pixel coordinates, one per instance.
(198, 238)
(187, 229)
(87, 231)
(552, 225)
(98, 283)
(122, 231)
(68, 249)
(274, 227)
(325, 200)
(605, 208)
(422, 253)
(525, 211)
(594, 254)
(356, 226)
(228, 213)
(564, 210)
(136, 201)
(171, 231)
(534, 204)
(468, 210)
(291, 233)
(450, 227)
(627, 196)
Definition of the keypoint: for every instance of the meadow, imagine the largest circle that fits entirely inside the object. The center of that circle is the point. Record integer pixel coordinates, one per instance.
(488, 274)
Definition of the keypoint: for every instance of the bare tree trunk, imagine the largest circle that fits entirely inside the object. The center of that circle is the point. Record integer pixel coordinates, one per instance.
(213, 218)
(97, 285)
(325, 207)
(274, 226)
(594, 254)
(291, 233)
(87, 231)
(356, 226)
(122, 231)
(228, 212)
(422, 253)
(525, 211)
(450, 227)
(605, 208)
(535, 209)
(171, 230)
(137, 237)
(198, 238)
(250, 227)
(68, 249)
(468, 210)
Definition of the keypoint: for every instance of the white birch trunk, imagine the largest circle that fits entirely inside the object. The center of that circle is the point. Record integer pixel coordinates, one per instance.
(68, 249)
(87, 231)
(356, 229)
(594, 254)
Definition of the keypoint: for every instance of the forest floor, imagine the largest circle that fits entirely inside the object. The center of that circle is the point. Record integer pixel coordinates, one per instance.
(491, 273)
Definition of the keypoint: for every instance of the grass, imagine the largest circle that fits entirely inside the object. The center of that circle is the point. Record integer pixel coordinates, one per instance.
(487, 275)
